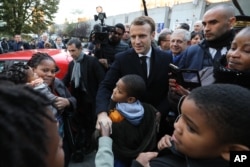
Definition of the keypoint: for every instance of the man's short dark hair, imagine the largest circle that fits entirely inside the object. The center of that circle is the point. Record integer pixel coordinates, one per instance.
(184, 26)
(121, 26)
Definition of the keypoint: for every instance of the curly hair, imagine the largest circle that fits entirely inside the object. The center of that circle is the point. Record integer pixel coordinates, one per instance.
(226, 109)
(23, 140)
(17, 73)
(135, 85)
(38, 57)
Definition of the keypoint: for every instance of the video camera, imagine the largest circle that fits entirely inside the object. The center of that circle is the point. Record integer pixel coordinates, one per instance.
(100, 33)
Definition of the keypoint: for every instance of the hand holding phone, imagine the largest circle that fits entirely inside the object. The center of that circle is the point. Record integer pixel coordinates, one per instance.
(188, 78)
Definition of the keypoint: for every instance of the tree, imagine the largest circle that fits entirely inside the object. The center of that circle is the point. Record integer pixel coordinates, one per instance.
(26, 16)
(80, 30)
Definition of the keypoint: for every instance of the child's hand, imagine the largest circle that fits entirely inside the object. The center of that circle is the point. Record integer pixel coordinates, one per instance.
(144, 158)
(36, 82)
(165, 142)
(105, 130)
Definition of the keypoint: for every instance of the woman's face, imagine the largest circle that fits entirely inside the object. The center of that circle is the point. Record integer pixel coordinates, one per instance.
(238, 57)
(195, 40)
(46, 70)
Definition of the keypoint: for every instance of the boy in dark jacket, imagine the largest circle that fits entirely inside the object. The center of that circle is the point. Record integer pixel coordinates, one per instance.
(134, 123)
(213, 121)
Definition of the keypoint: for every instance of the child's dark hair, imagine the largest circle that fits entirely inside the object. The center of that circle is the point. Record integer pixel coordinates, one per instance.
(227, 110)
(23, 140)
(135, 85)
(17, 73)
(184, 26)
(38, 57)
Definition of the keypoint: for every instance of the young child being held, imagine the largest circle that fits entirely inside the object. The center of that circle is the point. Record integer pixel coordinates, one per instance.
(20, 73)
(213, 121)
(135, 130)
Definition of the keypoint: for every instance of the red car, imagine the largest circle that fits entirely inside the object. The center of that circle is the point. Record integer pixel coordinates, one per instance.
(62, 58)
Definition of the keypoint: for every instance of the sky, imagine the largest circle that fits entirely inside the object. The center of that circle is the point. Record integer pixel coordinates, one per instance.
(73, 9)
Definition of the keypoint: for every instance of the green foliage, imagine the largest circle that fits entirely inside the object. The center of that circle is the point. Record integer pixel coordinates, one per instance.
(26, 16)
(80, 30)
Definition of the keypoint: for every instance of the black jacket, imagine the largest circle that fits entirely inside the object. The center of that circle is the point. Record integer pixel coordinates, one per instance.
(128, 62)
(92, 74)
(169, 157)
(130, 140)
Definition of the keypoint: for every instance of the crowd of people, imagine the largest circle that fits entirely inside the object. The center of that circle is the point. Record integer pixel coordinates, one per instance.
(17, 43)
(122, 101)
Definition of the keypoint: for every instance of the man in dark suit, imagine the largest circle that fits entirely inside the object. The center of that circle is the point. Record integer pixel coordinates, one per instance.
(142, 32)
(83, 77)
(19, 44)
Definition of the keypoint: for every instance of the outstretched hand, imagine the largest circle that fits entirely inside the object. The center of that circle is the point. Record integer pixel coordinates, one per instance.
(104, 118)
(144, 158)
(105, 130)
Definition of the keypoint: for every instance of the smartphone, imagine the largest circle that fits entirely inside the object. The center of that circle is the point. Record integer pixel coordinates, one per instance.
(188, 78)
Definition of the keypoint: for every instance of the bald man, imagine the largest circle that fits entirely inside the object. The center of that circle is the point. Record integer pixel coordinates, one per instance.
(218, 34)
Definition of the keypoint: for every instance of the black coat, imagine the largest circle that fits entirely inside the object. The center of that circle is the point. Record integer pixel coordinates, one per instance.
(128, 62)
(169, 157)
(92, 74)
(62, 91)
(130, 140)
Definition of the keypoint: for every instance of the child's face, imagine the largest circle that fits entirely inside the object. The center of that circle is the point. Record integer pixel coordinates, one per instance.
(55, 157)
(238, 56)
(119, 92)
(193, 136)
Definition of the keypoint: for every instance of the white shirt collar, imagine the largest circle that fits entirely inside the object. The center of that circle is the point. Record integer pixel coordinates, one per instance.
(148, 54)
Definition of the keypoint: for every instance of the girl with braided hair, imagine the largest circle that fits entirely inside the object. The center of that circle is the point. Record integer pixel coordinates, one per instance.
(20, 73)
(29, 132)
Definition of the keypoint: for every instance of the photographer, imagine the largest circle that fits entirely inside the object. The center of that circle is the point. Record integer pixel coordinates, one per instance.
(105, 50)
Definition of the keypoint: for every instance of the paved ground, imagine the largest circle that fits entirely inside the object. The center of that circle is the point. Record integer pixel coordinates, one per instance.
(89, 161)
